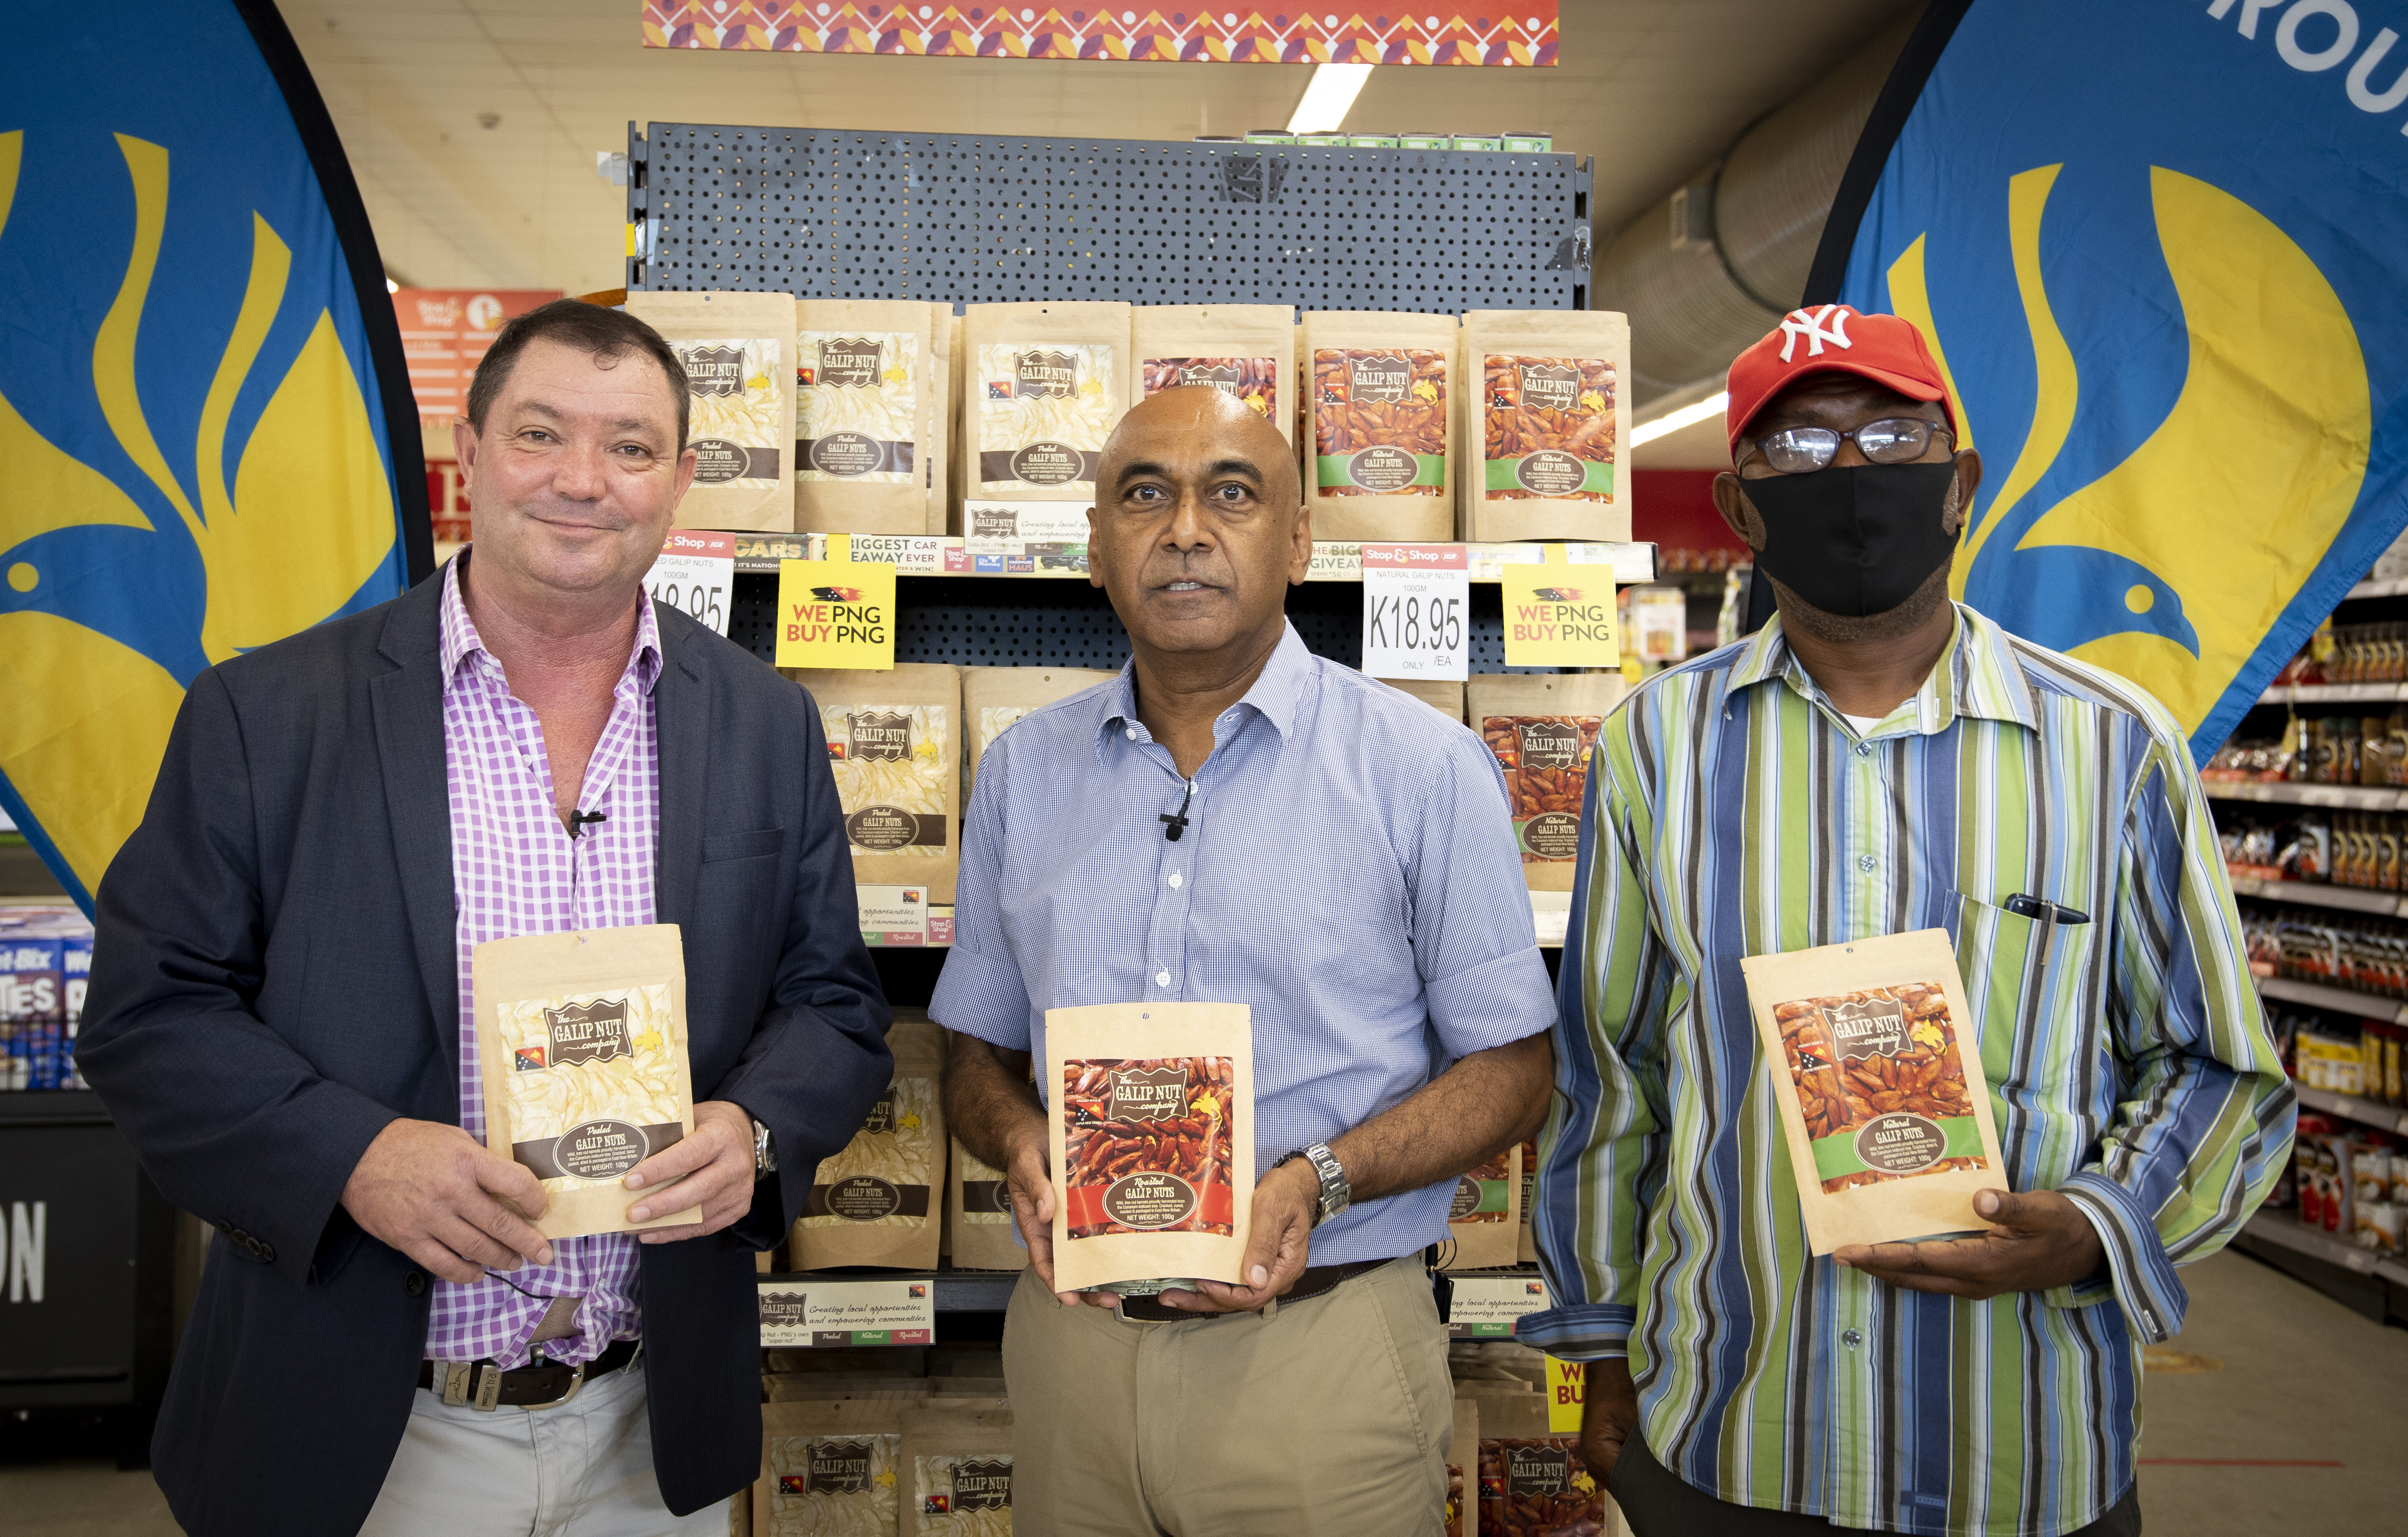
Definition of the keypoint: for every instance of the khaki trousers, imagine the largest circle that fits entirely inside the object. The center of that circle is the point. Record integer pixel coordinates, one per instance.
(1331, 1417)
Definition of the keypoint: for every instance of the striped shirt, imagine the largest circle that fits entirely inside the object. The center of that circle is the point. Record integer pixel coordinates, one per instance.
(1732, 813)
(515, 871)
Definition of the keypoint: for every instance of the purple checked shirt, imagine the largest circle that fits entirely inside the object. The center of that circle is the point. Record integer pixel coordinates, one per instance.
(515, 871)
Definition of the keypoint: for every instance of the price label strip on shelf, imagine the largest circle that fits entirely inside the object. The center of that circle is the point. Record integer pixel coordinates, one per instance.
(896, 915)
(835, 613)
(1417, 611)
(847, 1313)
(1559, 616)
(1025, 539)
(696, 574)
(1486, 1306)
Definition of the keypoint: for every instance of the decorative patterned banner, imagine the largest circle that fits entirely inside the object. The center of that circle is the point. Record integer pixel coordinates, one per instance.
(1445, 35)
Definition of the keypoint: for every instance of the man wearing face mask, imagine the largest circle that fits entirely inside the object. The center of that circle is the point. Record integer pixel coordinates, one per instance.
(1878, 761)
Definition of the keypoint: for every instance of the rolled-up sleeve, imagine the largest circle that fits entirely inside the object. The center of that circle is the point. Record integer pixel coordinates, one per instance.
(981, 991)
(1473, 938)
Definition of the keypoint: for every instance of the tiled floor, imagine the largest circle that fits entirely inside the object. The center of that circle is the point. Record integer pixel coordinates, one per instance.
(2302, 1381)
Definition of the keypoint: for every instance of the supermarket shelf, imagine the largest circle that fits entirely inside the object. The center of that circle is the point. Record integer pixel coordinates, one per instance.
(2376, 589)
(957, 1291)
(2284, 1231)
(2347, 798)
(2335, 694)
(2352, 1108)
(949, 556)
(2315, 995)
(2318, 894)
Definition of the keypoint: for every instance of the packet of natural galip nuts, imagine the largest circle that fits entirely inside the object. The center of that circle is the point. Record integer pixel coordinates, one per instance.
(978, 1214)
(863, 404)
(959, 1460)
(1044, 387)
(994, 699)
(1542, 726)
(1532, 1480)
(1376, 462)
(1462, 1512)
(831, 1468)
(582, 1051)
(1538, 438)
(893, 744)
(1150, 1117)
(1879, 1079)
(1487, 1213)
(738, 354)
(875, 1202)
(1244, 349)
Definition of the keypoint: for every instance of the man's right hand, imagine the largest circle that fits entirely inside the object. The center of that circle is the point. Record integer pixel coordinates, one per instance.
(435, 1193)
(1608, 1415)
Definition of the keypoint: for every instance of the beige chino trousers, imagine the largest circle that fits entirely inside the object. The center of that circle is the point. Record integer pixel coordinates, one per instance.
(1331, 1418)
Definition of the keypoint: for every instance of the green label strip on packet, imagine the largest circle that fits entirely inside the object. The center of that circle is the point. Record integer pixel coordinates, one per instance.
(1836, 1155)
(1500, 477)
(1492, 1198)
(1430, 468)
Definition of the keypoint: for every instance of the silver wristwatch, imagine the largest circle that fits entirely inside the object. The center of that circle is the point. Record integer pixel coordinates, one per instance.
(764, 1153)
(1336, 1193)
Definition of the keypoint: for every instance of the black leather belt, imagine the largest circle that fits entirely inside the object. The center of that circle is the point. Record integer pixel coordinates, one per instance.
(1317, 1280)
(481, 1384)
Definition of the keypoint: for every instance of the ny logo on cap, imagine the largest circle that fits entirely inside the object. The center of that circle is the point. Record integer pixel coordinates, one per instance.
(1800, 323)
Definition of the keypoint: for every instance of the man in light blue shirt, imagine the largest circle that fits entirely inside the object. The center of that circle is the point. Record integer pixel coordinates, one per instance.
(1235, 820)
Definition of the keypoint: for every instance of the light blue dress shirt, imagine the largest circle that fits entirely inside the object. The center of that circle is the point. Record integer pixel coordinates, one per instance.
(1348, 871)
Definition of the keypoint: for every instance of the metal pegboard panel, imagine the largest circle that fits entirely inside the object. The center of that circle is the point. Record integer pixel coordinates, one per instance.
(980, 622)
(825, 213)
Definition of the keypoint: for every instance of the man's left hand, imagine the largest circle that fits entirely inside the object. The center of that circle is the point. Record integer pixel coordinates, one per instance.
(2042, 1241)
(1282, 1236)
(713, 1168)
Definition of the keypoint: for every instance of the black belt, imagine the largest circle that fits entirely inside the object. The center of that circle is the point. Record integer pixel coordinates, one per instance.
(1316, 1281)
(474, 1382)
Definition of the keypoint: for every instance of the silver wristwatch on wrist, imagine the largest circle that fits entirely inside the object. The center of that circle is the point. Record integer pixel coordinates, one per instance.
(764, 1153)
(1336, 1193)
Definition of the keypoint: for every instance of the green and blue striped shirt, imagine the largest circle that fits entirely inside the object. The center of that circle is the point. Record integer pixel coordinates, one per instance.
(1731, 812)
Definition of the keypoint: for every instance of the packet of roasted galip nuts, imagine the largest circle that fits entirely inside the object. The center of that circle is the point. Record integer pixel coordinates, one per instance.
(1150, 1117)
(1879, 1080)
(582, 1051)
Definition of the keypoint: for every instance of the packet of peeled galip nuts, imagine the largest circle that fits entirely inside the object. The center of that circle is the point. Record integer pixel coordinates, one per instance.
(581, 1050)
(1879, 1080)
(1150, 1117)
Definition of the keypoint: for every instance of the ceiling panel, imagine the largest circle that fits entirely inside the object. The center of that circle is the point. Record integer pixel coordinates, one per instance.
(1653, 88)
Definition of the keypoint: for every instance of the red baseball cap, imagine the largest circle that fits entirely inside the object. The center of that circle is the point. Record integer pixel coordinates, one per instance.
(1832, 338)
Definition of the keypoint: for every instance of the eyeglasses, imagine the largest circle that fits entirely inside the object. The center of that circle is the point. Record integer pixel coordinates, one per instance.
(1893, 441)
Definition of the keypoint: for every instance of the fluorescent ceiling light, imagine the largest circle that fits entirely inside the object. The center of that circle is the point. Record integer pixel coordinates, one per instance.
(1687, 416)
(1328, 97)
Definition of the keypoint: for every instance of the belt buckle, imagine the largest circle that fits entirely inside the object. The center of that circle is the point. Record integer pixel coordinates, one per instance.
(576, 1383)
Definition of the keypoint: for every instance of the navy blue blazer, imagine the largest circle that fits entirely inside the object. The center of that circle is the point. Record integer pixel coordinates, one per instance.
(273, 982)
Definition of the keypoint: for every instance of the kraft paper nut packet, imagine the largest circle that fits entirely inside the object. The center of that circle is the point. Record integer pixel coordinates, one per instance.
(831, 1469)
(960, 1464)
(1879, 1080)
(1532, 1480)
(1540, 424)
(864, 402)
(875, 1202)
(738, 354)
(1378, 454)
(582, 1053)
(1542, 729)
(894, 748)
(1247, 350)
(1150, 1114)
(1043, 384)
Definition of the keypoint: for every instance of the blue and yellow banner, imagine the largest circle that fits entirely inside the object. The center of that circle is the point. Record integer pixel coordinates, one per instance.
(207, 438)
(2161, 252)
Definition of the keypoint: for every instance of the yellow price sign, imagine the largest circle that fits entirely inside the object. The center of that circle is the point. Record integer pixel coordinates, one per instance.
(1560, 616)
(1565, 1382)
(835, 613)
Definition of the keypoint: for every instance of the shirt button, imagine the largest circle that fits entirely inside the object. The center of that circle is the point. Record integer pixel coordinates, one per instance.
(1865, 862)
(1851, 1339)
(1162, 979)
(1175, 879)
(1132, 733)
(1864, 750)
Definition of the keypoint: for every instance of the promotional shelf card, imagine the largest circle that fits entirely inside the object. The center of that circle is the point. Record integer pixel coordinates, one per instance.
(804, 1313)
(1560, 616)
(1416, 611)
(836, 615)
(696, 574)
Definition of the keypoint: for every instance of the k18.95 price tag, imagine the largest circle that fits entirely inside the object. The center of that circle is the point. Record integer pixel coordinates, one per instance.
(1416, 611)
(696, 574)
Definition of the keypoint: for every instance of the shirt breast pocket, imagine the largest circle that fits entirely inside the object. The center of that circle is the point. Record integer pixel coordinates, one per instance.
(2037, 993)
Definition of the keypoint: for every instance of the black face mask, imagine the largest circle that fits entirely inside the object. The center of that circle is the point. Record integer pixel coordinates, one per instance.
(1855, 541)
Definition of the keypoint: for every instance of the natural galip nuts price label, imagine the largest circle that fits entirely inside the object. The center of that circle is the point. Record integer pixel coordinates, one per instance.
(1559, 617)
(836, 615)
(1416, 611)
(696, 574)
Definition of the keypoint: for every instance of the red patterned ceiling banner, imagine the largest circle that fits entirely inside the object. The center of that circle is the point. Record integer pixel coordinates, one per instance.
(1442, 35)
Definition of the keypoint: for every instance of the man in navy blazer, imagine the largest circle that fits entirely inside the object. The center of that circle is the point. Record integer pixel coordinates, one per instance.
(278, 995)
